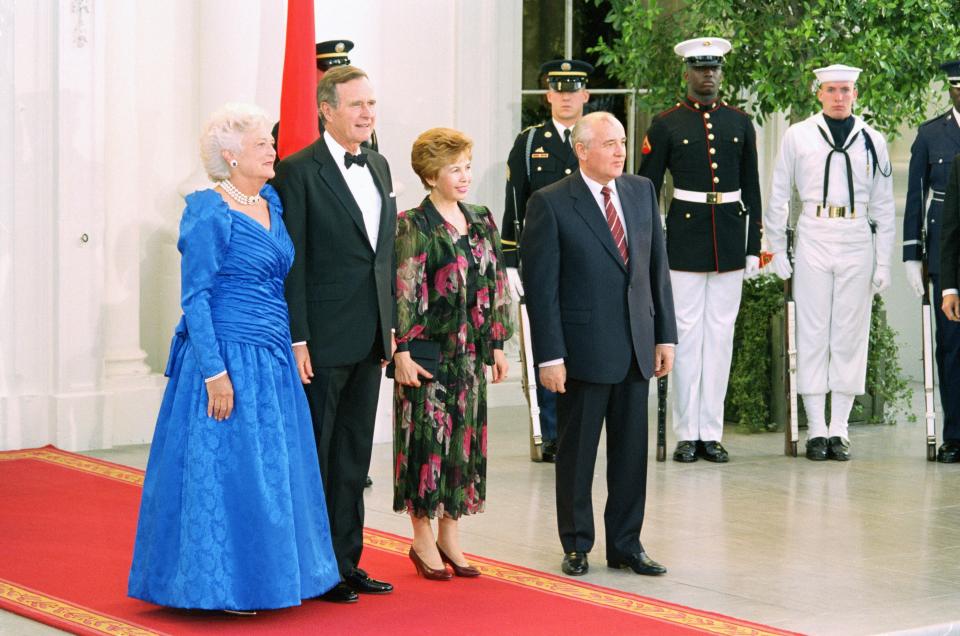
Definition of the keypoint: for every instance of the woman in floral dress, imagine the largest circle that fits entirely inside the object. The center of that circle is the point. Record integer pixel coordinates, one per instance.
(451, 289)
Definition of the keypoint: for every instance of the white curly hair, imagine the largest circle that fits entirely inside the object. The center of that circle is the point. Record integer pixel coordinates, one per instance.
(224, 131)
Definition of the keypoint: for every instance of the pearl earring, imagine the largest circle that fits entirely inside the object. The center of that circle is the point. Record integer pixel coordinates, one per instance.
(233, 163)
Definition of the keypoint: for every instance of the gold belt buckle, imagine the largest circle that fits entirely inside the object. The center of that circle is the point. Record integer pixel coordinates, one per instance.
(832, 211)
(714, 198)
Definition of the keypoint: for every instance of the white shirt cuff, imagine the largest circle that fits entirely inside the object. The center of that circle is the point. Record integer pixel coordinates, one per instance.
(551, 363)
(302, 343)
(214, 377)
(949, 292)
(666, 344)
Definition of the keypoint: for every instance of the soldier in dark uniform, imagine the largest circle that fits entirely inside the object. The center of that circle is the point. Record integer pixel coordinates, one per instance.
(931, 156)
(541, 155)
(330, 53)
(713, 238)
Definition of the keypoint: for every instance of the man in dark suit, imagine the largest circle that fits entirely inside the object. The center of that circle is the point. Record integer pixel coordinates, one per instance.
(931, 155)
(340, 211)
(602, 323)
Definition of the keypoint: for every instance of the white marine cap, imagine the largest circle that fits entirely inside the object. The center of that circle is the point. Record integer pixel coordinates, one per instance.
(703, 51)
(837, 73)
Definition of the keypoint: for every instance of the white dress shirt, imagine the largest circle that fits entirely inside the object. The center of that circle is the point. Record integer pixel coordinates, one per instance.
(561, 128)
(362, 187)
(595, 189)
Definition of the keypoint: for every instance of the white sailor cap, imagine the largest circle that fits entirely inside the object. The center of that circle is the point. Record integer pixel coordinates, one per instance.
(837, 73)
(703, 51)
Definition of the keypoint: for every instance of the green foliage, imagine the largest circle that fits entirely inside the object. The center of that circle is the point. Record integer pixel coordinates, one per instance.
(750, 391)
(776, 45)
(884, 375)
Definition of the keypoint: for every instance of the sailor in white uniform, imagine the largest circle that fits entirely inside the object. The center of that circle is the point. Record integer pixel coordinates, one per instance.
(845, 236)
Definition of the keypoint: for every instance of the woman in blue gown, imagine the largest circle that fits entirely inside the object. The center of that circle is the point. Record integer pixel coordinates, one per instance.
(233, 514)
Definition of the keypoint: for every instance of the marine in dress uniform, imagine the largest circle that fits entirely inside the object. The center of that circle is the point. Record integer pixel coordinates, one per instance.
(713, 239)
(845, 233)
(931, 158)
(541, 155)
(330, 53)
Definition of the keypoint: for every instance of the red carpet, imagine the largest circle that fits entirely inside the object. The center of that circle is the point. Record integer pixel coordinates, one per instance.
(66, 535)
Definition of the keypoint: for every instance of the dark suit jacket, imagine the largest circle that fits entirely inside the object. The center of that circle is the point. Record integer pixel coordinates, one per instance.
(950, 232)
(338, 289)
(585, 305)
(937, 142)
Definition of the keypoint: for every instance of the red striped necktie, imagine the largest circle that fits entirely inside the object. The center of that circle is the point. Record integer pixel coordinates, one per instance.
(613, 221)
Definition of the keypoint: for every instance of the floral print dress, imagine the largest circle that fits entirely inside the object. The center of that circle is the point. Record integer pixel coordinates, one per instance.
(451, 289)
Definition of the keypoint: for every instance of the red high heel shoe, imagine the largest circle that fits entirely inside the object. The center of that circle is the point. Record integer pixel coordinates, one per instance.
(459, 570)
(426, 571)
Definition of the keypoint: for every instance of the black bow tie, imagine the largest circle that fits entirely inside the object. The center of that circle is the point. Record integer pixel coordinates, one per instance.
(349, 160)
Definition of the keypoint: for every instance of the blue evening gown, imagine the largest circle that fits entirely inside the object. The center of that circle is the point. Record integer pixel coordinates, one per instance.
(233, 513)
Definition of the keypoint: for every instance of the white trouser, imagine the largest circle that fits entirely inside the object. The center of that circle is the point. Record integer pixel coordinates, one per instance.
(706, 306)
(832, 288)
(840, 406)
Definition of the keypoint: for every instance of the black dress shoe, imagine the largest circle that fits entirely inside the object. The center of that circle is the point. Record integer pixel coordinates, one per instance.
(575, 563)
(839, 449)
(685, 452)
(640, 563)
(368, 482)
(949, 452)
(359, 581)
(341, 593)
(713, 452)
(548, 451)
(817, 449)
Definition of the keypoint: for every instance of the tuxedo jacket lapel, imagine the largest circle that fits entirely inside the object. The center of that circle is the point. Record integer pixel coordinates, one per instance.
(586, 206)
(330, 173)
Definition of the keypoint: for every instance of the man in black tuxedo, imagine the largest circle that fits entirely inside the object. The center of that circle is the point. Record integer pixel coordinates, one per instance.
(602, 323)
(340, 211)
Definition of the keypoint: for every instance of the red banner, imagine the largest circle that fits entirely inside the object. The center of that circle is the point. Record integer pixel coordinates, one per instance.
(298, 95)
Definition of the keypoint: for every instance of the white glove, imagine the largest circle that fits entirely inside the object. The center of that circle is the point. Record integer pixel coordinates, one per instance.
(780, 265)
(914, 276)
(881, 278)
(751, 268)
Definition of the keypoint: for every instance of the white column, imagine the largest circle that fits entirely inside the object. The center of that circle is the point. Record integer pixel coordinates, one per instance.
(80, 237)
(28, 237)
(131, 392)
(123, 357)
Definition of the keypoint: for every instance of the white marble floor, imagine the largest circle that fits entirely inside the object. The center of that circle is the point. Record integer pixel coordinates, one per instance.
(863, 547)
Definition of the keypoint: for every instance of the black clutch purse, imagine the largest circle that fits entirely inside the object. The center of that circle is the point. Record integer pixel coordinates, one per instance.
(426, 353)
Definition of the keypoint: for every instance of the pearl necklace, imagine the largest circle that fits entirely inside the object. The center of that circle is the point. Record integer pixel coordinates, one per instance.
(238, 196)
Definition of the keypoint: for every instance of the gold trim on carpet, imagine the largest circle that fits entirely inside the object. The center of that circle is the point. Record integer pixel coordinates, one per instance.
(611, 599)
(83, 464)
(69, 612)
